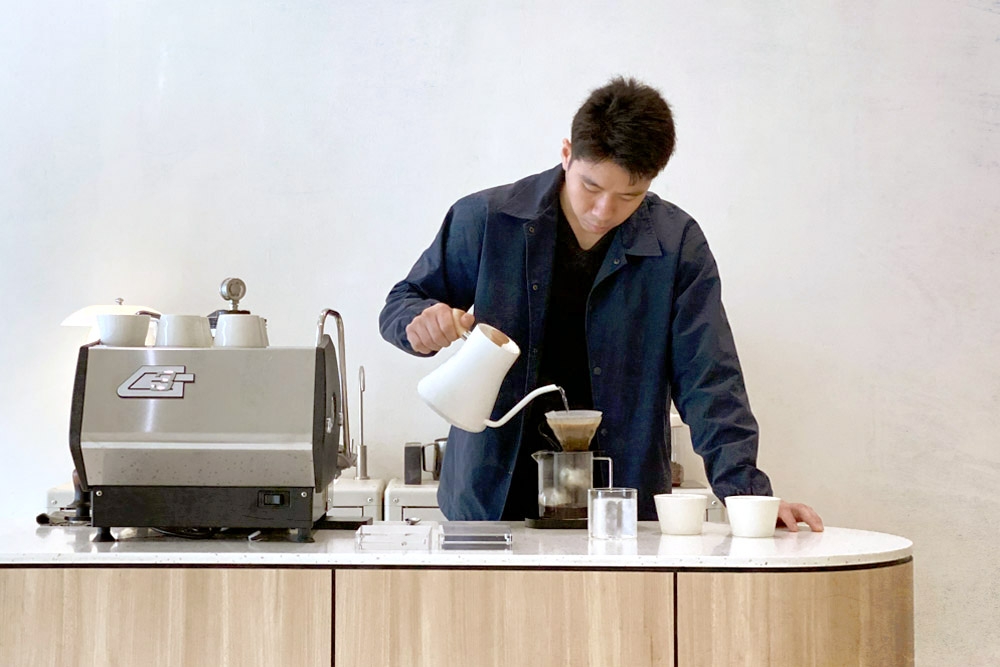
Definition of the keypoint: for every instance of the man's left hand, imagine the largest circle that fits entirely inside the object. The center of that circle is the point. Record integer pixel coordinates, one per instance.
(791, 513)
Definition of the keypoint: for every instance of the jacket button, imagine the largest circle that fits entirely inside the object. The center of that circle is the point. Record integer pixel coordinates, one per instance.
(531, 230)
(617, 261)
(597, 370)
(534, 287)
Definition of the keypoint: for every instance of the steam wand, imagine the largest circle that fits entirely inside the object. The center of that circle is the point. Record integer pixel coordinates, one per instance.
(362, 468)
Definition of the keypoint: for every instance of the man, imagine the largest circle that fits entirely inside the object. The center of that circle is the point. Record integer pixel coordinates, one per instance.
(611, 293)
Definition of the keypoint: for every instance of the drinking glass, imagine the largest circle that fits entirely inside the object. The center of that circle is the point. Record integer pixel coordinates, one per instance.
(612, 514)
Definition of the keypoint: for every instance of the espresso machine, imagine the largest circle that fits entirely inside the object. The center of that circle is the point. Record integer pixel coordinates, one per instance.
(203, 438)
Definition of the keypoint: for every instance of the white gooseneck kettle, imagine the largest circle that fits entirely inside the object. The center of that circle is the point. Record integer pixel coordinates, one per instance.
(463, 390)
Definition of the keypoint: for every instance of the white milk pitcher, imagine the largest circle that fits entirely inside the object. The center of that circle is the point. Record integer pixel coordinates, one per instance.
(463, 390)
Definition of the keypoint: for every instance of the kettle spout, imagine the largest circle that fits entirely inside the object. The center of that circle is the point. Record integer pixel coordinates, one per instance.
(523, 402)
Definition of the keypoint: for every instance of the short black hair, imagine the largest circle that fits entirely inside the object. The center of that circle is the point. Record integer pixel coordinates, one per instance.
(627, 122)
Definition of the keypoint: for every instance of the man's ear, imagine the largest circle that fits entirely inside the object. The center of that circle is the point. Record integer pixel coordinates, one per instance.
(567, 154)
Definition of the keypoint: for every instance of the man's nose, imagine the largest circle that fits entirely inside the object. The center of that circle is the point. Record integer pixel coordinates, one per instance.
(603, 208)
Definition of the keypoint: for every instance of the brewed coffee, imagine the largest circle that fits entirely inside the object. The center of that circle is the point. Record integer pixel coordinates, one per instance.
(574, 429)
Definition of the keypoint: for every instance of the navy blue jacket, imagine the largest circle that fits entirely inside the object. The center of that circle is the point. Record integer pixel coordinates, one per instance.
(656, 329)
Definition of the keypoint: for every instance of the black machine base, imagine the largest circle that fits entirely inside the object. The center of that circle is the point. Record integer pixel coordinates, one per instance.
(201, 507)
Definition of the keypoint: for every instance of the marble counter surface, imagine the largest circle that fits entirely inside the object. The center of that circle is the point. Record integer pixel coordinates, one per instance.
(714, 548)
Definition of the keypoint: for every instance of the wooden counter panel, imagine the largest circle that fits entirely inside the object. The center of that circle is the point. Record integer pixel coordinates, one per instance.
(846, 617)
(159, 616)
(420, 618)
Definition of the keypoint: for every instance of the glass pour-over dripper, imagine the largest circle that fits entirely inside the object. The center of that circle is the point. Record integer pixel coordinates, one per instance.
(574, 429)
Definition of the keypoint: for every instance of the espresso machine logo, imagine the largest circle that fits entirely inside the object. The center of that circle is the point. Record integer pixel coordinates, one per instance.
(156, 382)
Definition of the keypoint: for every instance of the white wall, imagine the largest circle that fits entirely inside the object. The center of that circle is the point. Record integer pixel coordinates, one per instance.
(843, 158)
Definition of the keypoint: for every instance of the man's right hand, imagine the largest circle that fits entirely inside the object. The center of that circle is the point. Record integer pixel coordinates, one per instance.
(437, 327)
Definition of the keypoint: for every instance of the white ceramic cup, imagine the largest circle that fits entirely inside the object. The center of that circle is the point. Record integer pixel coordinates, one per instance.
(752, 516)
(118, 330)
(240, 330)
(680, 513)
(183, 331)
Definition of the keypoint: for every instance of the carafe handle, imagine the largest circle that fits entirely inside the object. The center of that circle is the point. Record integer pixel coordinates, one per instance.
(611, 481)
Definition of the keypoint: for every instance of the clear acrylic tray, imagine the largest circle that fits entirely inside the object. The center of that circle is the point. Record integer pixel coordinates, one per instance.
(474, 535)
(394, 536)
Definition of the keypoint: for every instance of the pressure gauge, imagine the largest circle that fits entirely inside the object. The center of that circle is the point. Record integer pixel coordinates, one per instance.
(232, 290)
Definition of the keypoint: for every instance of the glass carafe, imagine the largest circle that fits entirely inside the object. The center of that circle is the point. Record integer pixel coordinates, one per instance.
(563, 481)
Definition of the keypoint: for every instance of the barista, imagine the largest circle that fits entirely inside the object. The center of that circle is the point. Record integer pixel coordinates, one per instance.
(611, 293)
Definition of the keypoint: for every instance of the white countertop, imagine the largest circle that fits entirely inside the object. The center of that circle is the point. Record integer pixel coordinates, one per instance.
(532, 548)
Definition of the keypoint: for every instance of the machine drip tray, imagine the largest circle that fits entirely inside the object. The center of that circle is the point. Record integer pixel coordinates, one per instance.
(342, 523)
(556, 523)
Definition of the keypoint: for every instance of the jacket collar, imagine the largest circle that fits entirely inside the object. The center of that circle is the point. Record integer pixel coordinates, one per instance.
(536, 197)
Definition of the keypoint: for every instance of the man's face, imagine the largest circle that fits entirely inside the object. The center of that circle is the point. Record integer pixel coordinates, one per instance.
(597, 196)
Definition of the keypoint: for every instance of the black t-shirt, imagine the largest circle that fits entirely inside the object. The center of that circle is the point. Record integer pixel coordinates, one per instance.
(563, 359)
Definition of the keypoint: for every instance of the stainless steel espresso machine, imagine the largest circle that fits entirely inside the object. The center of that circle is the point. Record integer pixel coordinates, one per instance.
(211, 437)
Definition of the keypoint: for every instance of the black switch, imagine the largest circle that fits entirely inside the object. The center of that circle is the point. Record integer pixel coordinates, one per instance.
(272, 499)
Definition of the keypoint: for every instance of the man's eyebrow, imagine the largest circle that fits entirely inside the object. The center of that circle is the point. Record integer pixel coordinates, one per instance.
(590, 181)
